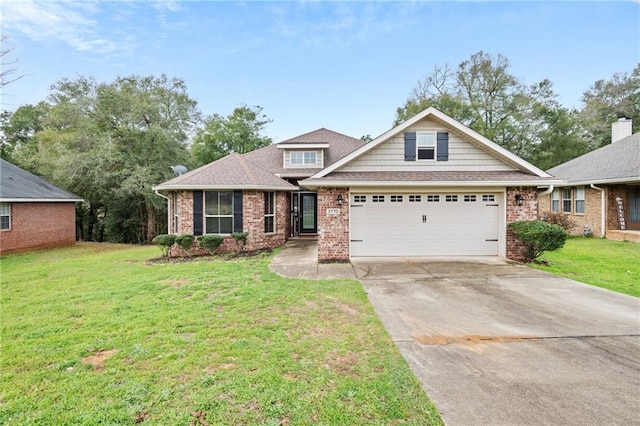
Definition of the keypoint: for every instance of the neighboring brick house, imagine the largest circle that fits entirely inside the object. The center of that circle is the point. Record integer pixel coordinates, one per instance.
(601, 189)
(428, 187)
(34, 213)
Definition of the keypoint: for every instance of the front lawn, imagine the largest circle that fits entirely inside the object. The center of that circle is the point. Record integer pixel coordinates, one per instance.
(95, 335)
(614, 265)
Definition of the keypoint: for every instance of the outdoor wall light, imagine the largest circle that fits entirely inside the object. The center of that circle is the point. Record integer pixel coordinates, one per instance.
(339, 199)
(519, 199)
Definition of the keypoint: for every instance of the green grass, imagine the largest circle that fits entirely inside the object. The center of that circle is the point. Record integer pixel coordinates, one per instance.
(95, 335)
(614, 265)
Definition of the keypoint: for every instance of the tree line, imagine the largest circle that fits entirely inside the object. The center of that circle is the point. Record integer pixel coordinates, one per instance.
(110, 142)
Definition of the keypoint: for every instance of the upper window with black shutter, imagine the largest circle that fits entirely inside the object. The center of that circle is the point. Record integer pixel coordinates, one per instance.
(426, 145)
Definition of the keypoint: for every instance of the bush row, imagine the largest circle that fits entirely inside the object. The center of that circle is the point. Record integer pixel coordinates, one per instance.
(208, 242)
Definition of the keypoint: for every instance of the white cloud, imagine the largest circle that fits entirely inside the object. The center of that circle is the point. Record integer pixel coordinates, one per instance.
(69, 22)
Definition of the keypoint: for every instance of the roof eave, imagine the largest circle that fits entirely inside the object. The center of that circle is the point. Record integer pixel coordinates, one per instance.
(635, 179)
(458, 183)
(226, 187)
(41, 200)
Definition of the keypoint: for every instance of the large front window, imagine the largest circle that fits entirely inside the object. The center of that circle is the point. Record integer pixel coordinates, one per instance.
(218, 212)
(5, 216)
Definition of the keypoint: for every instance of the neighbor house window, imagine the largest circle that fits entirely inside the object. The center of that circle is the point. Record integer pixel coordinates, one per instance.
(555, 200)
(426, 145)
(218, 212)
(579, 200)
(566, 200)
(5, 216)
(269, 212)
(303, 158)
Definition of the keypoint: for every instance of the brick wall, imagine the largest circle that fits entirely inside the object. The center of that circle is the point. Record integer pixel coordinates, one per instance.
(252, 222)
(333, 229)
(591, 216)
(39, 225)
(527, 211)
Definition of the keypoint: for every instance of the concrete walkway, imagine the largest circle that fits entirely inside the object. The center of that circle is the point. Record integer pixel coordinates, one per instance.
(299, 259)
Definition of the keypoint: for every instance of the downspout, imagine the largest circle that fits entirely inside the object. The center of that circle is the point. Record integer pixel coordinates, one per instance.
(602, 210)
(168, 209)
(547, 191)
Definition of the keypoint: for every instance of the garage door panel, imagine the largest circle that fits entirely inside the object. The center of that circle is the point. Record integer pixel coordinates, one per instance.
(426, 228)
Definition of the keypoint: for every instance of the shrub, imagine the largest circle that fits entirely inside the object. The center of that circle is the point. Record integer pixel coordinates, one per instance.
(210, 242)
(165, 241)
(560, 219)
(185, 241)
(241, 239)
(537, 237)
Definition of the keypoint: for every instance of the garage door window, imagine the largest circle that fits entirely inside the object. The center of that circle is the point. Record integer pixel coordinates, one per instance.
(359, 198)
(433, 198)
(396, 198)
(415, 198)
(488, 198)
(469, 198)
(451, 198)
(377, 198)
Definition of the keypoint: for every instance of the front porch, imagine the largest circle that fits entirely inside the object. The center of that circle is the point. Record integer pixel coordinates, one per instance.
(626, 235)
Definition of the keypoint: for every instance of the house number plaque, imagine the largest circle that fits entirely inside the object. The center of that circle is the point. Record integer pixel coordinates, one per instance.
(620, 213)
(333, 212)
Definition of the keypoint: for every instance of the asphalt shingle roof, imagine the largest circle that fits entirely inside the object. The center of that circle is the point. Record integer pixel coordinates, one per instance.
(430, 176)
(234, 170)
(17, 184)
(617, 161)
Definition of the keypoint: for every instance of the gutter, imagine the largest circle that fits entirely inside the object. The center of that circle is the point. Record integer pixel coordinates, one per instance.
(547, 191)
(602, 210)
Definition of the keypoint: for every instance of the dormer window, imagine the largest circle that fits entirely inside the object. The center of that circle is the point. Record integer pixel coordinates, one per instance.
(304, 158)
(426, 144)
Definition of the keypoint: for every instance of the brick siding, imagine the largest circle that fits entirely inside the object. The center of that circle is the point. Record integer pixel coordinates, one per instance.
(252, 222)
(333, 230)
(39, 225)
(527, 211)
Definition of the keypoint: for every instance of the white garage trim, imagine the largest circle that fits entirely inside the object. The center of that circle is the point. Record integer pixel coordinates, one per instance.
(443, 222)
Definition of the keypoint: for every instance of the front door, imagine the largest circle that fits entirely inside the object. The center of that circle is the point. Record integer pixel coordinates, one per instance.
(308, 213)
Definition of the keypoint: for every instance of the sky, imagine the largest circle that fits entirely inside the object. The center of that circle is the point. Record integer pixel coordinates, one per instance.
(345, 66)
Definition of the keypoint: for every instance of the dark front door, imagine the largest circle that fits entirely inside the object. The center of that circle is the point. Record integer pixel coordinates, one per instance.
(308, 213)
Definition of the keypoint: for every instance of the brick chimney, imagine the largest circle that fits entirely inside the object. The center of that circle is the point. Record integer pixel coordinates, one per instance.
(621, 128)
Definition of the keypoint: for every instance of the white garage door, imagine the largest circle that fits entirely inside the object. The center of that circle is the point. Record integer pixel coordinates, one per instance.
(443, 224)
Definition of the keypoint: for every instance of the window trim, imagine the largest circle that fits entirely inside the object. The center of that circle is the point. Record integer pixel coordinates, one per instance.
(431, 147)
(304, 158)
(270, 201)
(218, 216)
(6, 214)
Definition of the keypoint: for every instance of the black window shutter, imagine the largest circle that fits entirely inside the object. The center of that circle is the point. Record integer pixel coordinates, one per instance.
(197, 212)
(443, 146)
(410, 146)
(237, 211)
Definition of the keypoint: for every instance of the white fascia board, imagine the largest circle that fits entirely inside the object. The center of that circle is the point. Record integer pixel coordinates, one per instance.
(224, 187)
(389, 184)
(41, 200)
(601, 181)
(302, 145)
(452, 123)
(294, 175)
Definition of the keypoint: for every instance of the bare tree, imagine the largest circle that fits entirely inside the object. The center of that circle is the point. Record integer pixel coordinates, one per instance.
(8, 68)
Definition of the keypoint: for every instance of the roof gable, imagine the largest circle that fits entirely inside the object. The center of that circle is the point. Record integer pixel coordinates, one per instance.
(506, 159)
(18, 185)
(616, 162)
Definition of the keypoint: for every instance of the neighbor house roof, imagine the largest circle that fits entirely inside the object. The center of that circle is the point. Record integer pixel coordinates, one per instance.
(614, 163)
(271, 157)
(18, 185)
(427, 178)
(234, 171)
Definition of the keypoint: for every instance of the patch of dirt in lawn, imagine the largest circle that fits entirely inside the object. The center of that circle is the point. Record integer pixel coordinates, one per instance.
(343, 363)
(98, 359)
(176, 282)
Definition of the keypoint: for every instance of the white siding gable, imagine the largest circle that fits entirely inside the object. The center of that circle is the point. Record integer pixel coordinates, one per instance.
(463, 155)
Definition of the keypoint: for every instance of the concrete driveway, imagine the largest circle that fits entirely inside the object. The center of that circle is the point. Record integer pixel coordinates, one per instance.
(497, 343)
